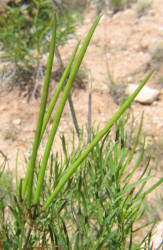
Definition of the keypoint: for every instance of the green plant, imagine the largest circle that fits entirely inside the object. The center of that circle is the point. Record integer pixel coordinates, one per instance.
(114, 5)
(87, 200)
(25, 36)
(117, 90)
(10, 133)
(6, 184)
(156, 62)
(118, 5)
(155, 149)
(143, 7)
(157, 58)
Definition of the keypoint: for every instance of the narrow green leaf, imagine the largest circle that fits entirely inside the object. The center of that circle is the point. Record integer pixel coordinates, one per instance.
(149, 190)
(76, 244)
(61, 107)
(70, 171)
(16, 173)
(139, 160)
(131, 186)
(143, 226)
(64, 149)
(58, 90)
(142, 186)
(28, 181)
(129, 159)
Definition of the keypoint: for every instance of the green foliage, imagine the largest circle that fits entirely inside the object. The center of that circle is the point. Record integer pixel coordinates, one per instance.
(25, 28)
(25, 35)
(114, 5)
(117, 90)
(143, 7)
(117, 5)
(86, 200)
(157, 58)
(98, 206)
(6, 185)
(156, 62)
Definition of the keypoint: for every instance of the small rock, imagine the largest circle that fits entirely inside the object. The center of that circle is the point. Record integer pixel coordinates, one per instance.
(146, 96)
(88, 20)
(129, 79)
(16, 121)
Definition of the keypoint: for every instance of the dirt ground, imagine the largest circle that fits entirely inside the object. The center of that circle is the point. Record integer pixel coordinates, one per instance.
(125, 47)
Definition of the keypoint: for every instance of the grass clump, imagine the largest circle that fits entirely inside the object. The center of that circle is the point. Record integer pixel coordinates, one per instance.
(10, 133)
(157, 58)
(6, 184)
(118, 5)
(86, 200)
(116, 90)
(114, 5)
(143, 7)
(156, 62)
(25, 37)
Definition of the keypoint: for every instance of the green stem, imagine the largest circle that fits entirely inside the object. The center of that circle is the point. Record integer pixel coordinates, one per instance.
(60, 110)
(52, 104)
(30, 171)
(58, 90)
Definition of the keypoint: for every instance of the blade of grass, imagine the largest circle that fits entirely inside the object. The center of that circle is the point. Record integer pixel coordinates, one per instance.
(70, 171)
(73, 115)
(70, 101)
(89, 108)
(54, 100)
(132, 186)
(129, 159)
(58, 90)
(137, 164)
(149, 190)
(16, 173)
(61, 107)
(30, 171)
(139, 192)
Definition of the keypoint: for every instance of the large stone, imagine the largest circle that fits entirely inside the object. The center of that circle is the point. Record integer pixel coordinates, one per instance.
(146, 96)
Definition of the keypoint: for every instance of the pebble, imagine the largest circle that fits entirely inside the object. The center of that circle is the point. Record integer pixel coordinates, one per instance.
(16, 121)
(146, 96)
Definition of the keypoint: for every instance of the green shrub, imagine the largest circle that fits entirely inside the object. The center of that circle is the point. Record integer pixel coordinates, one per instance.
(114, 5)
(143, 7)
(25, 36)
(87, 200)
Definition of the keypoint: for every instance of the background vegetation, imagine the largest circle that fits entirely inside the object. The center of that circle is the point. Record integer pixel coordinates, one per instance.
(25, 37)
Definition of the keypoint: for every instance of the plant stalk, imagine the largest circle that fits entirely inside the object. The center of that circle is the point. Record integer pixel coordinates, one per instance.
(28, 181)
